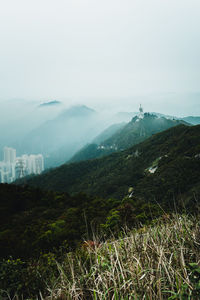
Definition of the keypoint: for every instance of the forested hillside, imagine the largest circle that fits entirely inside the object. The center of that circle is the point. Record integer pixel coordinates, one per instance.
(94, 150)
(140, 129)
(37, 221)
(137, 130)
(131, 188)
(165, 165)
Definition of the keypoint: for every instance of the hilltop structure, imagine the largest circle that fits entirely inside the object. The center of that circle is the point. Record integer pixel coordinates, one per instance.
(141, 112)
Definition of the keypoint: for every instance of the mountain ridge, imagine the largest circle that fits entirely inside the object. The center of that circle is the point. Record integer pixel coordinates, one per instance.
(134, 132)
(69, 131)
(113, 175)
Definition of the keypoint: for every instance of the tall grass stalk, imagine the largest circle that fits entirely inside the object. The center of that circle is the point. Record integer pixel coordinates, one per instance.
(148, 263)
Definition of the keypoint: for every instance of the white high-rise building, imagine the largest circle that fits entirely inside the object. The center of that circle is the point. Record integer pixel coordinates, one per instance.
(7, 172)
(39, 163)
(31, 164)
(20, 168)
(9, 155)
(3, 173)
(35, 164)
(7, 166)
(12, 167)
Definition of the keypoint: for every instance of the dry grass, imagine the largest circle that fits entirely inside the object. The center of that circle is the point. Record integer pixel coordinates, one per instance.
(149, 263)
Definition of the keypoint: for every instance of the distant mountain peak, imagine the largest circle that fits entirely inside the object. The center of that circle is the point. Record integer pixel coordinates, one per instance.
(77, 111)
(195, 120)
(81, 108)
(50, 103)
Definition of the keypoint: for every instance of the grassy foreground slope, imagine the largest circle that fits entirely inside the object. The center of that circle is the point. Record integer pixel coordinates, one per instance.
(158, 261)
(165, 166)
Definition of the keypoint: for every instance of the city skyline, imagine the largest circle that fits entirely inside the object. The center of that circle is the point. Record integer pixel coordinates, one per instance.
(13, 167)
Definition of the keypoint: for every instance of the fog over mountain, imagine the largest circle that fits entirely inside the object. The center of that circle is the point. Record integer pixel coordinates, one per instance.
(108, 56)
(50, 128)
(19, 117)
(56, 130)
(102, 53)
(99, 149)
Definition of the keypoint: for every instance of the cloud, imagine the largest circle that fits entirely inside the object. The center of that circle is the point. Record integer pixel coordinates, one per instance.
(98, 49)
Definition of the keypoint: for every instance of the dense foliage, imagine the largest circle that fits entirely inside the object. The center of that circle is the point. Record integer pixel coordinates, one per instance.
(108, 132)
(38, 227)
(118, 138)
(33, 220)
(90, 151)
(160, 261)
(174, 152)
(130, 188)
(156, 261)
(94, 149)
(138, 130)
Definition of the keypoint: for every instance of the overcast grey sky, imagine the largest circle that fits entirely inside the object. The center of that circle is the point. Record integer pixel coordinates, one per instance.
(100, 50)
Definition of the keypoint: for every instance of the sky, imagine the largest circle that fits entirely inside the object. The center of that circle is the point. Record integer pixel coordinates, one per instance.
(102, 53)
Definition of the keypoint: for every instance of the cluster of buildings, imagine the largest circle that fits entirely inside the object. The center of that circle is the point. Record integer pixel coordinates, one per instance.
(13, 167)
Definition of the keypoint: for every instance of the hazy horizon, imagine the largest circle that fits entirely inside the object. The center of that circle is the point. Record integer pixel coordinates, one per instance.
(103, 54)
(174, 104)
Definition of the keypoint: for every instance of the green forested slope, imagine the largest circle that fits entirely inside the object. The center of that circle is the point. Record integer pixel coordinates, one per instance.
(136, 131)
(149, 180)
(33, 221)
(172, 151)
(94, 150)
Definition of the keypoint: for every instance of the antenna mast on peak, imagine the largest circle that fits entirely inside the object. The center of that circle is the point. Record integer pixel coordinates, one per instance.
(141, 112)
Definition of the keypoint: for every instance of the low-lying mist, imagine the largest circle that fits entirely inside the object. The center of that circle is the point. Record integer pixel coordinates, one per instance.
(58, 129)
(53, 129)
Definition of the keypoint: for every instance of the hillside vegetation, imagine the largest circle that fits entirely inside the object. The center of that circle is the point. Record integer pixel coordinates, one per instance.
(37, 221)
(136, 131)
(42, 254)
(174, 155)
(155, 262)
(158, 261)
(94, 149)
(140, 129)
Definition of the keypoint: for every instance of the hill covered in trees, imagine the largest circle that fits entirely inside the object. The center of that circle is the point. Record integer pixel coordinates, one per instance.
(164, 166)
(44, 233)
(126, 187)
(94, 150)
(36, 221)
(118, 138)
(131, 188)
